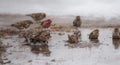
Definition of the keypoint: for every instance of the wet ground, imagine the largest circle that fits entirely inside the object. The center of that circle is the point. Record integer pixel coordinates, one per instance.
(104, 51)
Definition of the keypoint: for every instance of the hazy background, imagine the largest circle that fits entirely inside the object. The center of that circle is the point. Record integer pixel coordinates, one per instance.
(107, 8)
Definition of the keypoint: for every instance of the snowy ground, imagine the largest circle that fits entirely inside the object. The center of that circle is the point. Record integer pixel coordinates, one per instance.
(102, 53)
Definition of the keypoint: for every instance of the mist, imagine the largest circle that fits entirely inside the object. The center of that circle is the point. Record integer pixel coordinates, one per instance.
(106, 8)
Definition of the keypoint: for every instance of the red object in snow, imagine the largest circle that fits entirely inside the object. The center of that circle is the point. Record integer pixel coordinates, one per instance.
(46, 23)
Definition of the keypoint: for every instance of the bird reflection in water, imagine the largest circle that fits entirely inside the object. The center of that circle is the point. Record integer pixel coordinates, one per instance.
(116, 43)
(95, 42)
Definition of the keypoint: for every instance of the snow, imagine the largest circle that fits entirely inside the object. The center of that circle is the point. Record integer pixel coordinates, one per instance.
(103, 54)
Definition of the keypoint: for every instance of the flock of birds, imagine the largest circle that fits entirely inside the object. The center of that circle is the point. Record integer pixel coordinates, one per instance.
(42, 36)
(47, 23)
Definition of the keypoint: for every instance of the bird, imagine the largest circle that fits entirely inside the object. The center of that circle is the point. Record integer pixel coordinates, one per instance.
(22, 24)
(116, 34)
(46, 23)
(94, 34)
(77, 22)
(37, 16)
(41, 37)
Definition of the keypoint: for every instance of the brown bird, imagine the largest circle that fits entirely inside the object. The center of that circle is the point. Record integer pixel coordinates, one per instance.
(94, 34)
(41, 37)
(73, 39)
(37, 16)
(77, 22)
(22, 24)
(116, 34)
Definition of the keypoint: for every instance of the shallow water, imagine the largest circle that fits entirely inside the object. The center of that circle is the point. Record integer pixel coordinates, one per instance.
(105, 53)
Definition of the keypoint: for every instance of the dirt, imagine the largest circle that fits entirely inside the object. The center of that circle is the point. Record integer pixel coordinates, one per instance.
(2, 51)
(8, 32)
(39, 48)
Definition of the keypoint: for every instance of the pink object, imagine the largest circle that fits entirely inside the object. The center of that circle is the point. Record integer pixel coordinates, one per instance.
(46, 23)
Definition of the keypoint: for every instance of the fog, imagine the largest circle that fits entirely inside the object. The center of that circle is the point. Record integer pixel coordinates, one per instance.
(62, 7)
